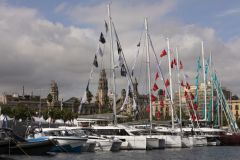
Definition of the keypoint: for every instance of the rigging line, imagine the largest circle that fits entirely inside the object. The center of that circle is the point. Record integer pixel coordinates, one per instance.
(117, 39)
(161, 72)
(139, 43)
(195, 112)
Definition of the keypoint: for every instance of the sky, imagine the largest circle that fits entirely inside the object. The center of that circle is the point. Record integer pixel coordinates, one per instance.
(56, 40)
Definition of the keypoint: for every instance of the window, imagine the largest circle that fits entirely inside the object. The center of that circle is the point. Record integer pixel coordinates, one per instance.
(236, 107)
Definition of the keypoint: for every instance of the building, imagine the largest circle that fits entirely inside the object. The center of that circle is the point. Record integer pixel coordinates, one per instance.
(54, 94)
(235, 107)
(13, 100)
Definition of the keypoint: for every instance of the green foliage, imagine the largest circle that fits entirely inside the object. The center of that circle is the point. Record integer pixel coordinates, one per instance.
(55, 113)
(6, 110)
(22, 112)
(49, 98)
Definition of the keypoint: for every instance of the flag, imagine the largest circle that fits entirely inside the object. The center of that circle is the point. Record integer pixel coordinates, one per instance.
(155, 87)
(100, 52)
(156, 75)
(181, 65)
(138, 45)
(193, 117)
(102, 39)
(148, 108)
(161, 104)
(119, 47)
(186, 76)
(187, 86)
(172, 64)
(123, 71)
(195, 106)
(95, 62)
(192, 96)
(158, 114)
(164, 53)
(186, 94)
(106, 26)
(189, 105)
(182, 83)
(153, 98)
(163, 93)
(167, 83)
(175, 62)
(134, 106)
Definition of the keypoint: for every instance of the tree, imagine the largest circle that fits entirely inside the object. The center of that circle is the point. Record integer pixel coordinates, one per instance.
(22, 112)
(55, 113)
(49, 98)
(6, 110)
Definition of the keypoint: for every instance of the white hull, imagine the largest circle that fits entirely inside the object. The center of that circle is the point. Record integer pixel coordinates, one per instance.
(198, 141)
(133, 142)
(186, 142)
(72, 141)
(171, 141)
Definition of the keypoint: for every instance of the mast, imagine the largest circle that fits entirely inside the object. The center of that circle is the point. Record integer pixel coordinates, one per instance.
(210, 66)
(204, 84)
(170, 79)
(149, 73)
(179, 91)
(113, 66)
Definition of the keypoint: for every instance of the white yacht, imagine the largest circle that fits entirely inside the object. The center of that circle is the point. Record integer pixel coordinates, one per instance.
(66, 141)
(103, 144)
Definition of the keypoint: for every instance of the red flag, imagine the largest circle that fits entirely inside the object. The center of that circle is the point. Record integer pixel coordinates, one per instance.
(193, 117)
(148, 108)
(171, 64)
(155, 87)
(156, 75)
(161, 104)
(186, 94)
(167, 83)
(189, 105)
(187, 86)
(163, 93)
(195, 106)
(174, 61)
(164, 53)
(192, 96)
(181, 65)
(182, 84)
(153, 98)
(158, 114)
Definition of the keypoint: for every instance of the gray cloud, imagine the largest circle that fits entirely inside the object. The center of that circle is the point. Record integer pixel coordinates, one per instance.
(35, 51)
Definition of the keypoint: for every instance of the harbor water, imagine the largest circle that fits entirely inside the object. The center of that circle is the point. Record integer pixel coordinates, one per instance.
(197, 153)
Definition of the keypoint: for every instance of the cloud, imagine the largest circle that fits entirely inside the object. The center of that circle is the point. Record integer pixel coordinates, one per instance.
(229, 12)
(35, 51)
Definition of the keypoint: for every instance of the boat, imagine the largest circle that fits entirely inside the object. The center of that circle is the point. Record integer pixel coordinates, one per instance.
(11, 144)
(102, 144)
(66, 141)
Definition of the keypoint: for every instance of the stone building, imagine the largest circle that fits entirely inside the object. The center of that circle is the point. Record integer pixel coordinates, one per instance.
(54, 93)
(102, 98)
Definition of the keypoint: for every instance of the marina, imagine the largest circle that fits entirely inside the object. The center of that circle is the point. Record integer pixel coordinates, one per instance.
(157, 105)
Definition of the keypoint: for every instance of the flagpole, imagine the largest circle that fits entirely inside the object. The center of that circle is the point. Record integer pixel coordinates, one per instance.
(210, 66)
(179, 91)
(149, 73)
(170, 78)
(113, 67)
(204, 84)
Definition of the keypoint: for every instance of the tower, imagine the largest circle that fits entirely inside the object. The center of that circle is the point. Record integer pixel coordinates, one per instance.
(102, 94)
(54, 92)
